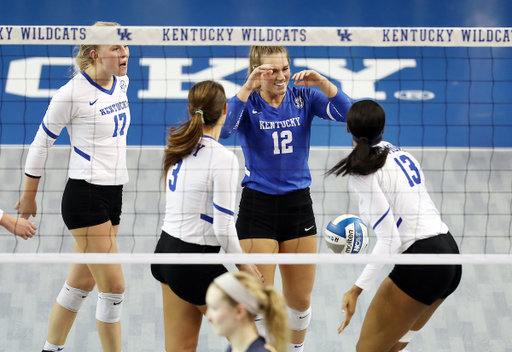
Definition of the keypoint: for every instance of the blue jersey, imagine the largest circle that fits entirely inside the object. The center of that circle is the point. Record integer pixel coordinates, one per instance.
(259, 345)
(276, 141)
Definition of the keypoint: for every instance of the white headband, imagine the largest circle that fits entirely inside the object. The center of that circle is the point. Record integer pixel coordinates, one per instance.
(236, 290)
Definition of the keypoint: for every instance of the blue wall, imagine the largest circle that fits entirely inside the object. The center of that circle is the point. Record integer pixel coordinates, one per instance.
(468, 90)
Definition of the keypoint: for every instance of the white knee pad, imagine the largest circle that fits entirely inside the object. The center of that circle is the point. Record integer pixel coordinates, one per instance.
(72, 298)
(108, 309)
(299, 320)
(407, 337)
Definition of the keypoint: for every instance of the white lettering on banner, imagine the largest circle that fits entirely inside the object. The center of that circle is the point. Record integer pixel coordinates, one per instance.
(24, 75)
(357, 84)
(166, 76)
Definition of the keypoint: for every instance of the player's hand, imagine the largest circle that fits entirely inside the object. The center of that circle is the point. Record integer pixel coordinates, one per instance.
(258, 75)
(348, 306)
(308, 78)
(253, 270)
(19, 226)
(26, 207)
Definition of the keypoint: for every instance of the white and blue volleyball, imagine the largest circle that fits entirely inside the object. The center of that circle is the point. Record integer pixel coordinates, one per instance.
(347, 234)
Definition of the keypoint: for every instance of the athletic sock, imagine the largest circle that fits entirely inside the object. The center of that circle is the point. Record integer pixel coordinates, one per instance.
(297, 347)
(50, 347)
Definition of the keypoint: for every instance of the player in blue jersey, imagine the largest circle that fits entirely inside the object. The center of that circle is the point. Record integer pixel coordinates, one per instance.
(234, 300)
(200, 188)
(393, 199)
(17, 226)
(273, 122)
(93, 106)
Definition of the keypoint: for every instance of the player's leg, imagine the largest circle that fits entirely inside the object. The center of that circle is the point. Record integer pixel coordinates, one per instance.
(262, 245)
(182, 321)
(419, 324)
(109, 278)
(72, 296)
(298, 281)
(392, 313)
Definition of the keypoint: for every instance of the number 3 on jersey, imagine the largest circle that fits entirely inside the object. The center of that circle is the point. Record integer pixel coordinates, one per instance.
(286, 138)
(173, 178)
(406, 161)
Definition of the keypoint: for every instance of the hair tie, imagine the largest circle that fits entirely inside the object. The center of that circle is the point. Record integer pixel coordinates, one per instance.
(371, 142)
(199, 111)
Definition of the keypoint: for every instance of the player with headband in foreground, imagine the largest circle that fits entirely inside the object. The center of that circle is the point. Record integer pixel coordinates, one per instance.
(234, 300)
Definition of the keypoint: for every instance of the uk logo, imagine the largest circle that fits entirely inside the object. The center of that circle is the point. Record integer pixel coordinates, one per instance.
(124, 35)
(298, 102)
(344, 35)
(123, 86)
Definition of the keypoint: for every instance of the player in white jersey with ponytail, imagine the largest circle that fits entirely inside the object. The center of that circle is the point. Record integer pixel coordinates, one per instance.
(93, 106)
(393, 199)
(201, 178)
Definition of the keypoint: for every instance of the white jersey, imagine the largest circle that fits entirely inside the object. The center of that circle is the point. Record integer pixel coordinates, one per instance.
(200, 197)
(97, 121)
(1, 214)
(395, 202)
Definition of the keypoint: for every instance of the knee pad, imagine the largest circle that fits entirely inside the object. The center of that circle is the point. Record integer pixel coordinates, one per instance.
(108, 309)
(72, 298)
(299, 320)
(407, 337)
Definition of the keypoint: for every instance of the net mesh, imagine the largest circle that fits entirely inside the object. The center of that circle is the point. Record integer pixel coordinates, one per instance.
(445, 92)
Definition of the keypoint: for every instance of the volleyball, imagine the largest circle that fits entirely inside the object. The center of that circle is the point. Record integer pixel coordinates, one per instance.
(347, 234)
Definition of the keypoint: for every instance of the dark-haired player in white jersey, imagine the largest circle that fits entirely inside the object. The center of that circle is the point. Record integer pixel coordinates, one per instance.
(93, 106)
(393, 199)
(273, 122)
(200, 187)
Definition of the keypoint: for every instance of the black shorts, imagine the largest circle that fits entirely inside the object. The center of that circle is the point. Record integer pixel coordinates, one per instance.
(428, 283)
(84, 204)
(277, 217)
(188, 281)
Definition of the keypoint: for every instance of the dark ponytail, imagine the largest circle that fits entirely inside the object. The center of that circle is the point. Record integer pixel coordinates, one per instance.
(366, 121)
(206, 102)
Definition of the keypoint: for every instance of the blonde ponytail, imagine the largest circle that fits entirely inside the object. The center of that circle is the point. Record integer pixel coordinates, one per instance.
(276, 319)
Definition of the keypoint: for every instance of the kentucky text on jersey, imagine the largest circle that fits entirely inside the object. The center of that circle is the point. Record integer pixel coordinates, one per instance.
(270, 125)
(48, 33)
(202, 34)
(114, 108)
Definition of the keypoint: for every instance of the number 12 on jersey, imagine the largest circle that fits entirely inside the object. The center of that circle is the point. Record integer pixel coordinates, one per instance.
(281, 142)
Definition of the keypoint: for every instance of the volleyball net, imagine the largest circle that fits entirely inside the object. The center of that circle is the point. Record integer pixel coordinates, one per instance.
(446, 93)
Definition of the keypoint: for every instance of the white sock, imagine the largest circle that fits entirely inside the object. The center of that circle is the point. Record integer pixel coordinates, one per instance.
(297, 347)
(51, 347)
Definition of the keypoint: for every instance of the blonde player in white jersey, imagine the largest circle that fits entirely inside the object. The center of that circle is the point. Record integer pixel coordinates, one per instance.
(393, 199)
(93, 106)
(201, 179)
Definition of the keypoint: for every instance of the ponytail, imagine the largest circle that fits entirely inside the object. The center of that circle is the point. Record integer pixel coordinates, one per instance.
(206, 101)
(276, 319)
(365, 121)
